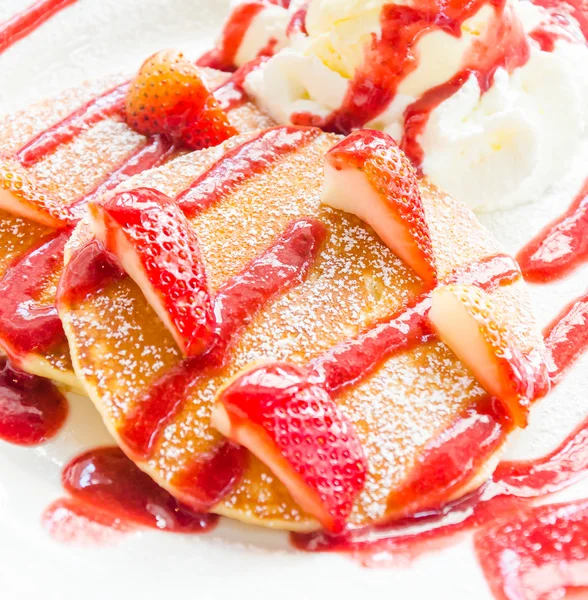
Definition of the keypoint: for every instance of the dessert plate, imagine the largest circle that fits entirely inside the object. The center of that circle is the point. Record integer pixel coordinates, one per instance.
(87, 40)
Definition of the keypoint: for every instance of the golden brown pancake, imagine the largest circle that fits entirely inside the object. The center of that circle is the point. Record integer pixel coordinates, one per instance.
(120, 348)
(71, 171)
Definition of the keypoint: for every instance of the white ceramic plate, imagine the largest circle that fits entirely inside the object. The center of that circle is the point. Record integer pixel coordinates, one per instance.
(95, 37)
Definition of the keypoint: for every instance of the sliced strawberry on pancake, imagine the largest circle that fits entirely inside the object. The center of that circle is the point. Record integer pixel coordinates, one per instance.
(465, 319)
(369, 176)
(292, 425)
(156, 246)
(169, 97)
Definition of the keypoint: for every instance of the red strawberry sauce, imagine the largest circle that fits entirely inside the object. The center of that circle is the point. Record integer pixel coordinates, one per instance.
(22, 24)
(538, 554)
(223, 57)
(108, 489)
(560, 247)
(232, 93)
(156, 151)
(560, 10)
(94, 111)
(393, 56)
(25, 325)
(32, 410)
(297, 23)
(241, 163)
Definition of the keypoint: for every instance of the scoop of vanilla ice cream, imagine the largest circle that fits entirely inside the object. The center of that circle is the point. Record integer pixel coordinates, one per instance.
(340, 30)
(491, 150)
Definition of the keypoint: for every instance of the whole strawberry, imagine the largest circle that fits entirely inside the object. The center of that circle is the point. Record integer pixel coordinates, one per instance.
(169, 97)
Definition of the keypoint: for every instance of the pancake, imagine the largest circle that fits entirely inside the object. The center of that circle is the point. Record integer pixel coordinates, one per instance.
(157, 405)
(101, 152)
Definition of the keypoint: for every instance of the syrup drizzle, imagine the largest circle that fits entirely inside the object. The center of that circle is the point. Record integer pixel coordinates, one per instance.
(560, 247)
(30, 19)
(542, 553)
(506, 48)
(285, 264)
(73, 522)
(353, 360)
(206, 482)
(241, 163)
(223, 56)
(25, 324)
(448, 463)
(560, 9)
(561, 468)
(416, 115)
(390, 59)
(297, 23)
(89, 270)
(567, 338)
(155, 152)
(232, 94)
(32, 410)
(545, 38)
(106, 480)
(560, 26)
(108, 104)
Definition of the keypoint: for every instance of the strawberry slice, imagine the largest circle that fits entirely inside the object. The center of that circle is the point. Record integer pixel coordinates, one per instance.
(20, 196)
(157, 248)
(168, 97)
(369, 176)
(293, 425)
(465, 319)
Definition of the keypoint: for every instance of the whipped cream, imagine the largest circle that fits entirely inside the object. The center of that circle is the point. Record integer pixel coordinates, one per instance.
(491, 149)
(269, 28)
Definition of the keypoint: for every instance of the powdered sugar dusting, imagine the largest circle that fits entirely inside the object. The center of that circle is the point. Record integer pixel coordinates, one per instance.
(71, 171)
(75, 168)
(122, 348)
(17, 235)
(18, 128)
